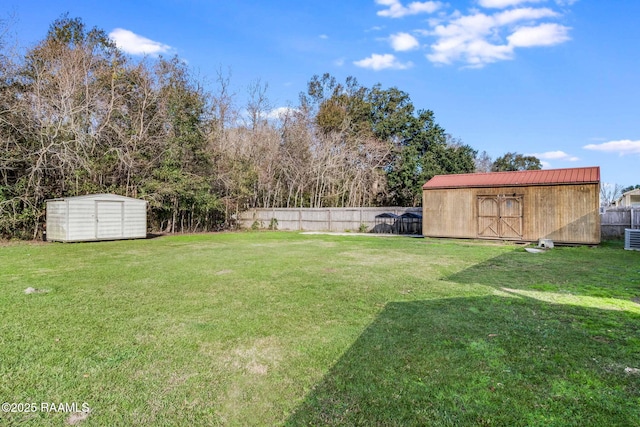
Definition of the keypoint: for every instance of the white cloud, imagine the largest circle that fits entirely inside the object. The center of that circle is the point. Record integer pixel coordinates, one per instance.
(403, 41)
(545, 165)
(479, 39)
(323, 36)
(397, 10)
(501, 4)
(465, 38)
(555, 155)
(280, 113)
(522, 14)
(378, 62)
(492, 31)
(541, 35)
(134, 44)
(622, 147)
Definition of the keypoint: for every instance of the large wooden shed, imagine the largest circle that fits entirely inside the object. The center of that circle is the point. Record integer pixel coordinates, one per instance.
(557, 204)
(96, 217)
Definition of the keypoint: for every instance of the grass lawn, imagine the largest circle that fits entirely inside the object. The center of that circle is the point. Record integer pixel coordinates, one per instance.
(289, 329)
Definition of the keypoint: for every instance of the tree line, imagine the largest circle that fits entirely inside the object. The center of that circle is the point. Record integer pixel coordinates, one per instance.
(77, 116)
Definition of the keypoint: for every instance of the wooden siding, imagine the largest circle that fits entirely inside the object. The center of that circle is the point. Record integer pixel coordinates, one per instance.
(562, 213)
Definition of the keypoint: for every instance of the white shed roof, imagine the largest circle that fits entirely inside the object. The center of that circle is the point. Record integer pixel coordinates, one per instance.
(102, 196)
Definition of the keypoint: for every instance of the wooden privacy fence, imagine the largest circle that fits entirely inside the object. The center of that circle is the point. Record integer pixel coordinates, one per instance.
(319, 219)
(614, 221)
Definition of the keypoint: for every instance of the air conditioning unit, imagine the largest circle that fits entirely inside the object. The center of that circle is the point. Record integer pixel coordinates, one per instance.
(632, 239)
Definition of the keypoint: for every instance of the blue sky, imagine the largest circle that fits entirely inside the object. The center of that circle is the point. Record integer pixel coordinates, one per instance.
(555, 78)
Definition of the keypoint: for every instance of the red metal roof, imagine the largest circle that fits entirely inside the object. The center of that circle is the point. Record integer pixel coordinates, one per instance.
(590, 175)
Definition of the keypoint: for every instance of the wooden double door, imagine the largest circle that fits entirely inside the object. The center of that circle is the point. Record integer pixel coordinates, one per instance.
(500, 217)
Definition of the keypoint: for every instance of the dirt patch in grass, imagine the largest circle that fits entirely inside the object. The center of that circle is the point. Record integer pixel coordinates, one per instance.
(76, 418)
(31, 290)
(248, 388)
(255, 358)
(221, 272)
(4, 242)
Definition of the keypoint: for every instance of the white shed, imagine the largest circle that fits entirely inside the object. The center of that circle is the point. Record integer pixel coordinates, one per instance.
(96, 217)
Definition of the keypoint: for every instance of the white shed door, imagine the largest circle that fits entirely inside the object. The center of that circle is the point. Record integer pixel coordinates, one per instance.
(109, 219)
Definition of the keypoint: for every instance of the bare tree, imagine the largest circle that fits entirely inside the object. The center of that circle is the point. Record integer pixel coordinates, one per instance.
(609, 193)
(258, 105)
(483, 162)
(78, 117)
(57, 94)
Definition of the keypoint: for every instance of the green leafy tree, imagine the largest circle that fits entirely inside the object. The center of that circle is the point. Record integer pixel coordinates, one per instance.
(629, 188)
(426, 152)
(418, 148)
(516, 162)
(180, 189)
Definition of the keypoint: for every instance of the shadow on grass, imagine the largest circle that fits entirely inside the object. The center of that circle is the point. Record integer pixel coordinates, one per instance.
(155, 235)
(607, 271)
(495, 360)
